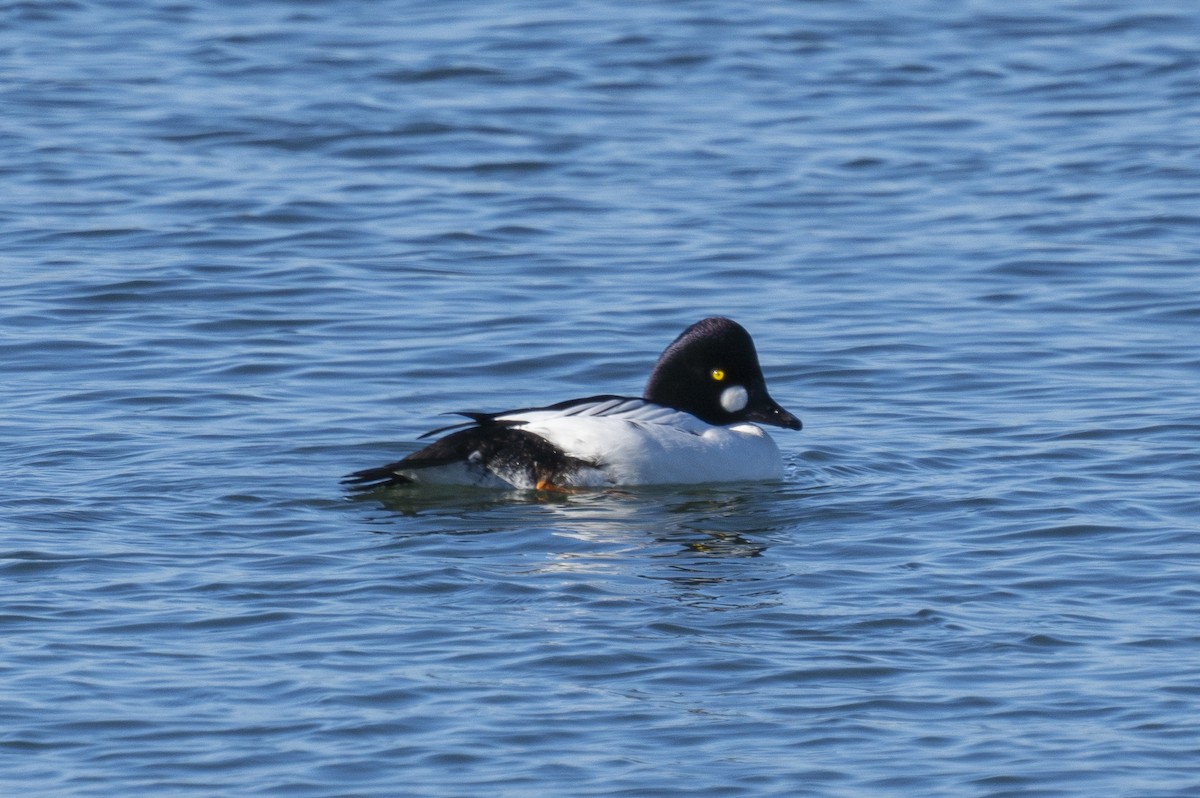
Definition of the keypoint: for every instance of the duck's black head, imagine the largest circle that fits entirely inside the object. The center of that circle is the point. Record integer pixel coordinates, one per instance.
(711, 371)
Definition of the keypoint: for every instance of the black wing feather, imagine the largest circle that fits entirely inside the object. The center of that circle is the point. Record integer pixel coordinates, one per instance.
(493, 447)
(495, 441)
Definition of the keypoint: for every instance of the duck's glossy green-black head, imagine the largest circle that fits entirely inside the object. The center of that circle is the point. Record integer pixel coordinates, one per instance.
(711, 371)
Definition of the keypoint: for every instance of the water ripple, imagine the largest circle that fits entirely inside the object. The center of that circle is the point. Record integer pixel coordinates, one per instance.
(252, 248)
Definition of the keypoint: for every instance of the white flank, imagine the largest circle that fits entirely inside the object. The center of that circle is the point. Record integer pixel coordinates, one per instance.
(633, 442)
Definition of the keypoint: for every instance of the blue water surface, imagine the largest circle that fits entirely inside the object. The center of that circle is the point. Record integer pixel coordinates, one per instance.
(249, 247)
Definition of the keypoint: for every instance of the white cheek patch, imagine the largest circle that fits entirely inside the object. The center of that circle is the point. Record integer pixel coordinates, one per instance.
(734, 398)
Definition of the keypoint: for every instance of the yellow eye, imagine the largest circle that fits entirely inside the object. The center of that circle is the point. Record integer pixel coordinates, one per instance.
(718, 375)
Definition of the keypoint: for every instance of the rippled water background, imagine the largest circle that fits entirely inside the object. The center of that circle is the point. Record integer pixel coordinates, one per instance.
(248, 247)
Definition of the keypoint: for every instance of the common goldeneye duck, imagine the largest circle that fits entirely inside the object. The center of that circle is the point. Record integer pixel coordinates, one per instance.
(694, 423)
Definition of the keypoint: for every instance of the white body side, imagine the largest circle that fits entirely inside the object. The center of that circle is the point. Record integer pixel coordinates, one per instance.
(637, 443)
(629, 442)
(662, 455)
